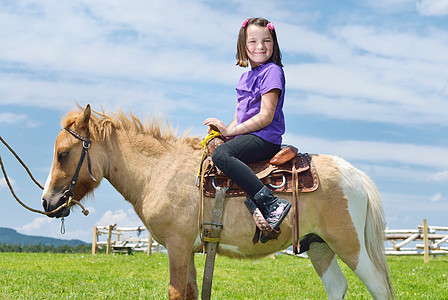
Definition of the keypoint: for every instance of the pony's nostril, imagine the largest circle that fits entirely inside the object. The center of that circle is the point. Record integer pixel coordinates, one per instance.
(44, 204)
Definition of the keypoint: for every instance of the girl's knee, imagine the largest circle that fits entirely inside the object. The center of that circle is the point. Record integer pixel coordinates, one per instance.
(222, 156)
(218, 155)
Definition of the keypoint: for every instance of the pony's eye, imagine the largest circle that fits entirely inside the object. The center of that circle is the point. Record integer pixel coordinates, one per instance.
(62, 155)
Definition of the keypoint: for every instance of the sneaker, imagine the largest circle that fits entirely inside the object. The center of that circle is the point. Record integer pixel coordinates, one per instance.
(273, 209)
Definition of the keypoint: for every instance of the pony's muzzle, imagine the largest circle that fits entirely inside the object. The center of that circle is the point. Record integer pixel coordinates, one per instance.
(50, 205)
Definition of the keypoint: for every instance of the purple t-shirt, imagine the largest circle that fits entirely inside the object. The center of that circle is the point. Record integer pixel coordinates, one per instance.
(252, 85)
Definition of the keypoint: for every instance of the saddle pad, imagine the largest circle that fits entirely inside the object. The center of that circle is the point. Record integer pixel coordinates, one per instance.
(279, 179)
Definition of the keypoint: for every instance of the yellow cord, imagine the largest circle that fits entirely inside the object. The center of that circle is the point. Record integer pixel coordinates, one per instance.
(210, 136)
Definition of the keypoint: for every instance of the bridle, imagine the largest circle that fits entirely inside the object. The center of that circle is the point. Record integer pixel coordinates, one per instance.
(86, 142)
(70, 194)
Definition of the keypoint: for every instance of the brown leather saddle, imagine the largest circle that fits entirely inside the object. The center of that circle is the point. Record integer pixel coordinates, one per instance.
(287, 172)
(276, 173)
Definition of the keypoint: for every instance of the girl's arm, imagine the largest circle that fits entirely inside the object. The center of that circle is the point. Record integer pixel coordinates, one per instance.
(234, 121)
(260, 120)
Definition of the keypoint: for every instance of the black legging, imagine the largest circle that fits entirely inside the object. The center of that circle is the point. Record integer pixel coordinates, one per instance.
(232, 156)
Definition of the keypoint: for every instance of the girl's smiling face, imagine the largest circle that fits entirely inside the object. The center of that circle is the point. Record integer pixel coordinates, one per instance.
(259, 45)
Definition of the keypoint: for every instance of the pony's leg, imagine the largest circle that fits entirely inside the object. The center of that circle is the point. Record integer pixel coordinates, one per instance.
(192, 286)
(376, 282)
(371, 277)
(327, 267)
(179, 260)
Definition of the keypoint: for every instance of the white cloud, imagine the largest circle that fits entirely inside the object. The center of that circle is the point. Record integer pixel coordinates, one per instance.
(91, 210)
(107, 38)
(397, 174)
(44, 226)
(374, 151)
(366, 110)
(3, 183)
(439, 177)
(409, 210)
(35, 226)
(120, 217)
(392, 43)
(388, 3)
(432, 7)
(11, 119)
(372, 74)
(297, 39)
(115, 54)
(437, 197)
(62, 95)
(16, 119)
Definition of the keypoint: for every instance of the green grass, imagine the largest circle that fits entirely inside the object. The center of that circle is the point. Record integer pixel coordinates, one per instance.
(83, 276)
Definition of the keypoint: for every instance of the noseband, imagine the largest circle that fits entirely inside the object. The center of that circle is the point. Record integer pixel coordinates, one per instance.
(85, 153)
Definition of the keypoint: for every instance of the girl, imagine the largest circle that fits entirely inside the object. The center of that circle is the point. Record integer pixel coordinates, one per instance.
(256, 131)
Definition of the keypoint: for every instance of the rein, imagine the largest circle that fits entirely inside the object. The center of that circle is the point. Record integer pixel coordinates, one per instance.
(68, 194)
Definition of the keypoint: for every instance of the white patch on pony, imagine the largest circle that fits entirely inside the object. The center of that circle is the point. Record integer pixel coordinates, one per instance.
(334, 281)
(47, 183)
(359, 190)
(353, 187)
(371, 277)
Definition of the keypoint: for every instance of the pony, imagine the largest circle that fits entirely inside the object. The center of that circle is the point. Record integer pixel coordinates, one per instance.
(155, 170)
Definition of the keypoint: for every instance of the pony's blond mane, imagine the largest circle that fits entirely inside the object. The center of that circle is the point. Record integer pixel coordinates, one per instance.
(102, 125)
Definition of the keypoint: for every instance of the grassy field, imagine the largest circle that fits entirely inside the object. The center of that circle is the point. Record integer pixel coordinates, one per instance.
(81, 276)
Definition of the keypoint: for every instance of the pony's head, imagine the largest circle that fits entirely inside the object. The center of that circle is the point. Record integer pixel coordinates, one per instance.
(71, 173)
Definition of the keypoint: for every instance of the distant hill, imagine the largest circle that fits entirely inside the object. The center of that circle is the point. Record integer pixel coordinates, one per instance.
(11, 236)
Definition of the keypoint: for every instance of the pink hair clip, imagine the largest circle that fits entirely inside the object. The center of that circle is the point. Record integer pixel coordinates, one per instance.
(270, 26)
(245, 22)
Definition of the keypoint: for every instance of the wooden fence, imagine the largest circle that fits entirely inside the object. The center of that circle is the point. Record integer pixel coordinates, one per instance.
(119, 240)
(433, 241)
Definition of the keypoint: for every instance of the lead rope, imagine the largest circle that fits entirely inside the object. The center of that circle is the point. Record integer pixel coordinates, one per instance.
(23, 164)
(66, 204)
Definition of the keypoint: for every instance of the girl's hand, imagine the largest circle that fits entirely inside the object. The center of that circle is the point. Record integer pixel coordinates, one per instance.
(218, 124)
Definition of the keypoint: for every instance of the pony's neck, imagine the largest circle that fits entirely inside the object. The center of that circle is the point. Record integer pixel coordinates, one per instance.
(138, 164)
(131, 160)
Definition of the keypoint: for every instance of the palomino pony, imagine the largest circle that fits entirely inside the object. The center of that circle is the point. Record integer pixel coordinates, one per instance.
(155, 171)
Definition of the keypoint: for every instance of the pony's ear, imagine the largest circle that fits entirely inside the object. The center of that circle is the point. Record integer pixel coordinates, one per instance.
(83, 120)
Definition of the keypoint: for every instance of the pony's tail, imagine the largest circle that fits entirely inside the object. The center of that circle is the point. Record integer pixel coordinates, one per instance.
(374, 232)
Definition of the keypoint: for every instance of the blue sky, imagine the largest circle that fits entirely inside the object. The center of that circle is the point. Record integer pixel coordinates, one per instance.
(366, 81)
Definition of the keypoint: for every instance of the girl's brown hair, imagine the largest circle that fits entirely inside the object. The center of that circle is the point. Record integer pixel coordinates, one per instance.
(241, 52)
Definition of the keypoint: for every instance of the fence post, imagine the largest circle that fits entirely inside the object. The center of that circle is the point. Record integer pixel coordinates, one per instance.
(109, 235)
(149, 243)
(95, 232)
(425, 240)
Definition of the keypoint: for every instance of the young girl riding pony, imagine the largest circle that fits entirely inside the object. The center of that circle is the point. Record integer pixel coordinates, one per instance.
(256, 131)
